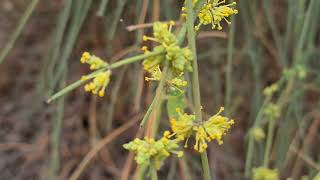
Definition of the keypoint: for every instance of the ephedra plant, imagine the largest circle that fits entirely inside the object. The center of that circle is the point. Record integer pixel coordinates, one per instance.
(167, 64)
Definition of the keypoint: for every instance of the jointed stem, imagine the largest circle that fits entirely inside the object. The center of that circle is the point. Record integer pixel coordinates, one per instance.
(195, 79)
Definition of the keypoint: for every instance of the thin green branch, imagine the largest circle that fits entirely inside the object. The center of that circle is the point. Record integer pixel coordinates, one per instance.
(112, 29)
(55, 50)
(81, 12)
(18, 30)
(134, 59)
(57, 122)
(195, 79)
(102, 7)
(154, 175)
(112, 66)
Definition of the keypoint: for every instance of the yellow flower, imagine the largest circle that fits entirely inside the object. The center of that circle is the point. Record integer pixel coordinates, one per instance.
(152, 62)
(272, 111)
(262, 173)
(213, 13)
(257, 133)
(201, 138)
(179, 58)
(155, 74)
(99, 83)
(182, 127)
(217, 126)
(100, 79)
(149, 151)
(94, 61)
(178, 82)
(212, 129)
(270, 90)
(162, 34)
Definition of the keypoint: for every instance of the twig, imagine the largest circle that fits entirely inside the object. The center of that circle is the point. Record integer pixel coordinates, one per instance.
(208, 34)
(195, 79)
(129, 161)
(93, 120)
(138, 95)
(92, 153)
(146, 25)
(305, 158)
(18, 30)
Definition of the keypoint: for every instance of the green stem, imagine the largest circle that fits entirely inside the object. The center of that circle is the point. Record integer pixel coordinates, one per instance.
(55, 141)
(134, 59)
(159, 95)
(306, 26)
(18, 30)
(80, 13)
(249, 156)
(52, 58)
(157, 99)
(250, 150)
(269, 142)
(147, 114)
(117, 15)
(229, 67)
(102, 7)
(112, 66)
(154, 175)
(155, 105)
(57, 123)
(141, 172)
(195, 79)
(173, 169)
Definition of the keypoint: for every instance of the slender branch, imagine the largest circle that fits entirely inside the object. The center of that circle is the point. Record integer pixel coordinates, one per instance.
(134, 59)
(27, 14)
(88, 77)
(195, 79)
(102, 143)
(154, 175)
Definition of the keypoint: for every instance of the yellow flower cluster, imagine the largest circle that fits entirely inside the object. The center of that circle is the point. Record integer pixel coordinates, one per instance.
(182, 127)
(201, 138)
(94, 61)
(179, 58)
(176, 82)
(155, 73)
(212, 129)
(99, 83)
(217, 126)
(213, 12)
(299, 71)
(270, 90)
(149, 151)
(263, 173)
(257, 133)
(272, 111)
(100, 79)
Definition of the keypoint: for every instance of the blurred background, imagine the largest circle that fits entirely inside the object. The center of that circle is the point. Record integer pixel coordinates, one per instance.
(41, 44)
